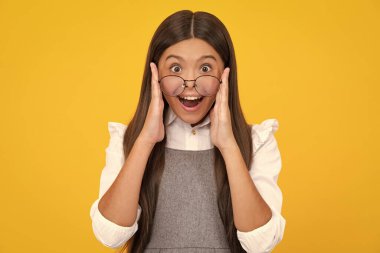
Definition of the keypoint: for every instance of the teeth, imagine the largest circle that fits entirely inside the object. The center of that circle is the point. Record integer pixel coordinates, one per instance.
(191, 98)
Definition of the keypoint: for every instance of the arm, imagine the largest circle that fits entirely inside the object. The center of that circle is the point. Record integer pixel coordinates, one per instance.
(256, 197)
(112, 227)
(249, 208)
(119, 204)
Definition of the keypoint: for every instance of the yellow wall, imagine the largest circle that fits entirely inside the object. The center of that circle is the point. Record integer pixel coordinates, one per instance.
(68, 67)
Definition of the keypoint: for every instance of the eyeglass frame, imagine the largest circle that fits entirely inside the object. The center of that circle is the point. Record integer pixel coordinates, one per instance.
(185, 83)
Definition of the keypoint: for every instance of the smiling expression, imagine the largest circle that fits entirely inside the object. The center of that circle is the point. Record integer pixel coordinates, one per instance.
(189, 59)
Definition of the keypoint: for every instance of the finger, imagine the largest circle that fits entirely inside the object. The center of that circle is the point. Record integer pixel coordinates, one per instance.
(217, 104)
(214, 117)
(154, 81)
(225, 86)
(217, 101)
(153, 69)
(224, 92)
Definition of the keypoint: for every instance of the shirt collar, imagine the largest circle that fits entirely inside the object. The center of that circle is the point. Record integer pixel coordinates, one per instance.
(171, 117)
(182, 136)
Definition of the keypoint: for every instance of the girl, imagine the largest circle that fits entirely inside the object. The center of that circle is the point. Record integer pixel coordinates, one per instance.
(197, 177)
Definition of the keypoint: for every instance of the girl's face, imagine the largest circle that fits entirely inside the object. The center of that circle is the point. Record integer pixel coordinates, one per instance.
(186, 60)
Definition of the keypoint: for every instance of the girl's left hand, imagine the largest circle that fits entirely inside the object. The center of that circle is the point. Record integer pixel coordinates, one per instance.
(221, 128)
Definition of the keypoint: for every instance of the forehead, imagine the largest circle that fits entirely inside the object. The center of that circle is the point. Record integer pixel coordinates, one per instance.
(190, 50)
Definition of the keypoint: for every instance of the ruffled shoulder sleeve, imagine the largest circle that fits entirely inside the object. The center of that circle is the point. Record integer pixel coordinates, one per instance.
(116, 131)
(114, 155)
(262, 131)
(116, 128)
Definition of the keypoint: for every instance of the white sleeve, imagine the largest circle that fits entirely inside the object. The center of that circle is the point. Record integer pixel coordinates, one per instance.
(264, 171)
(107, 232)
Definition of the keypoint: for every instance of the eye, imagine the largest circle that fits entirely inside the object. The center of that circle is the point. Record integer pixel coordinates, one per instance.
(175, 67)
(205, 67)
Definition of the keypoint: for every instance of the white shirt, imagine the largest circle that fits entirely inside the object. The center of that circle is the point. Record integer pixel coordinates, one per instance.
(264, 172)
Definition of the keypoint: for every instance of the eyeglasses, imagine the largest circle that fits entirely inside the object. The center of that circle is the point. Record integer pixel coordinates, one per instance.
(205, 85)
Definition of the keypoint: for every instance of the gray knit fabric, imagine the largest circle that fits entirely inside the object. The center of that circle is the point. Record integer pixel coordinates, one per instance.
(187, 218)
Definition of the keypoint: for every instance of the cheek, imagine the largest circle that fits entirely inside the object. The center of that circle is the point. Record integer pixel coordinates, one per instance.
(209, 101)
(171, 100)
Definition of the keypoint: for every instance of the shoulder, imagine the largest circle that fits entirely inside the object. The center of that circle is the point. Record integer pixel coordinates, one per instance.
(263, 132)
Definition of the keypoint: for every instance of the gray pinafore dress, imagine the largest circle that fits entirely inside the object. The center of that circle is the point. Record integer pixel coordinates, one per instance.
(187, 219)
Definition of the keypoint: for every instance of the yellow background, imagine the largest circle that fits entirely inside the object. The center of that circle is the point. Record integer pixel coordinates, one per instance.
(69, 67)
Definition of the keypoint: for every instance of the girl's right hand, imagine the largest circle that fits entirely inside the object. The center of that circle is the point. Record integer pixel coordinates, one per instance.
(153, 130)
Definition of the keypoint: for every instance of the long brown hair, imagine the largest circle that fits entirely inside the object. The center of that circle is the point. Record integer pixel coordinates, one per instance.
(179, 26)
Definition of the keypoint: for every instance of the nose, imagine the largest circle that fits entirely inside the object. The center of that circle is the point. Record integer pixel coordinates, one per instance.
(196, 93)
(189, 81)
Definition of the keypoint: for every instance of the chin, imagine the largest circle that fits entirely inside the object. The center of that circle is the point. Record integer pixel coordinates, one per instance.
(191, 119)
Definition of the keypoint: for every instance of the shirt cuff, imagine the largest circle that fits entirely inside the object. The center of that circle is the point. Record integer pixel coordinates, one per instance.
(109, 233)
(263, 239)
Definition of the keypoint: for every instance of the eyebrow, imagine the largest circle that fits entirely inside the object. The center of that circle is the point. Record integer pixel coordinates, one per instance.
(180, 58)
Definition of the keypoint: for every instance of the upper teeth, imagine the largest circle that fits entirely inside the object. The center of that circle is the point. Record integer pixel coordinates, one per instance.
(191, 98)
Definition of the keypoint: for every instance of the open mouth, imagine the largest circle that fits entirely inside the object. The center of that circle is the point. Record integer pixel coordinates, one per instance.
(190, 101)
